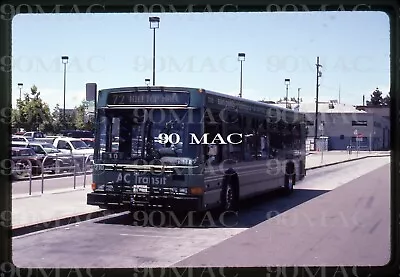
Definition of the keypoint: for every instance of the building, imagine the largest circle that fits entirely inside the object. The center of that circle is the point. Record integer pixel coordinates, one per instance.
(345, 125)
(379, 110)
(342, 124)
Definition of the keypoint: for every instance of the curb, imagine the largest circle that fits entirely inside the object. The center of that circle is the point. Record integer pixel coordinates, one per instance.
(54, 223)
(346, 161)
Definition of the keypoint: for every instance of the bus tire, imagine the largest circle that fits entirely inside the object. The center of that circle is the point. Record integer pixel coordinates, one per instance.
(302, 171)
(290, 180)
(229, 199)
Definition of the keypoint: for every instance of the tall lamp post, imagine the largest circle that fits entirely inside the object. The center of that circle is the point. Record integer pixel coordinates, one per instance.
(241, 59)
(64, 60)
(20, 85)
(154, 24)
(147, 81)
(287, 83)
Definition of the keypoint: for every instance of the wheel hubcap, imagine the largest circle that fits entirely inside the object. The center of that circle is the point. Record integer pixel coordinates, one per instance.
(228, 197)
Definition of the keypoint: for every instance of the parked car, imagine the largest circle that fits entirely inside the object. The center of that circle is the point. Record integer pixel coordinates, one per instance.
(34, 134)
(55, 161)
(21, 138)
(77, 133)
(22, 159)
(79, 149)
(88, 141)
(46, 139)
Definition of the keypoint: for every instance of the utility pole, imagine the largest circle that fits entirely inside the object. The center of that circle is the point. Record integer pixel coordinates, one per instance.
(298, 96)
(319, 74)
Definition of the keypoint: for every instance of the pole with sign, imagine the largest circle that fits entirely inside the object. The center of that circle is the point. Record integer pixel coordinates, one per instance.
(356, 135)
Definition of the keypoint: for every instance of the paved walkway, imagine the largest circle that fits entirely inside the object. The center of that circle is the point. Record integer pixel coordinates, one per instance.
(54, 205)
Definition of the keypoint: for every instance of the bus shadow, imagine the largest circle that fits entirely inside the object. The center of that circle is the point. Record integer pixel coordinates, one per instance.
(251, 212)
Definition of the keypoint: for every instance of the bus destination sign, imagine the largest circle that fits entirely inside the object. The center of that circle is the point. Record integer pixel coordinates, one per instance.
(148, 98)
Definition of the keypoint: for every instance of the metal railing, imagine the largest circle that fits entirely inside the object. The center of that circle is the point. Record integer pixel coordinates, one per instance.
(23, 169)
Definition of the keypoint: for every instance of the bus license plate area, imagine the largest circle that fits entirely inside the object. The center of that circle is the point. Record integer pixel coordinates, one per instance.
(143, 189)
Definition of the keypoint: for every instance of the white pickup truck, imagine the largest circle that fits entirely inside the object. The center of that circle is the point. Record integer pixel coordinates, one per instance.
(80, 150)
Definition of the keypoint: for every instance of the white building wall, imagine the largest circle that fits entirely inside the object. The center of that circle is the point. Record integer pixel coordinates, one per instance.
(340, 127)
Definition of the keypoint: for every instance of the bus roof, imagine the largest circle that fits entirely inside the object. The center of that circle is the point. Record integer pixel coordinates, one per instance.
(248, 101)
(231, 97)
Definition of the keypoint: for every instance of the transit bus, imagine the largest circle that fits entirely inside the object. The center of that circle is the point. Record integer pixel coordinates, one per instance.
(189, 149)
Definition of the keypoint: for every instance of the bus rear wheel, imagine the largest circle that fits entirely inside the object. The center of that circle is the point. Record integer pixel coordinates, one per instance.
(290, 181)
(302, 171)
(229, 197)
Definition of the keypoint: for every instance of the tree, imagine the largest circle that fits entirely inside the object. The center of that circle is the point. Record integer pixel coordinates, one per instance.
(32, 113)
(386, 100)
(82, 119)
(58, 120)
(376, 98)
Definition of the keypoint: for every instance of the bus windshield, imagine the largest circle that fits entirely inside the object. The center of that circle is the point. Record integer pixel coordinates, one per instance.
(139, 134)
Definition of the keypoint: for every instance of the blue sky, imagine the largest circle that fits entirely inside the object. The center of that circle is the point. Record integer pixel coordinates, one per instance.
(200, 50)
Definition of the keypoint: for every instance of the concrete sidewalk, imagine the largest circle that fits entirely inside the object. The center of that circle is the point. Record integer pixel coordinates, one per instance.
(320, 159)
(54, 207)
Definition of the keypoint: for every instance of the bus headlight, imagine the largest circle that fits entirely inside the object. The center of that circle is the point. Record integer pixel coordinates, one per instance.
(105, 188)
(183, 190)
(179, 190)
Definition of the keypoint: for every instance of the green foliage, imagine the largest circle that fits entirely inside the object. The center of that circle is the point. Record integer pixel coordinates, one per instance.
(377, 99)
(33, 114)
(83, 121)
(386, 100)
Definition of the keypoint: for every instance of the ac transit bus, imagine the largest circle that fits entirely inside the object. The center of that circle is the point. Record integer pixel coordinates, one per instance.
(189, 149)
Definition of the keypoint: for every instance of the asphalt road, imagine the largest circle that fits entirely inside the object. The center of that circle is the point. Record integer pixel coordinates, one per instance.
(337, 215)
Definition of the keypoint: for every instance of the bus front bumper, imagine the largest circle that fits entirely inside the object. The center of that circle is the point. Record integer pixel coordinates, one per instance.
(144, 201)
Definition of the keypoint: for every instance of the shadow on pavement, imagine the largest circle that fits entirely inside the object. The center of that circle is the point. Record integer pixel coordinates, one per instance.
(251, 212)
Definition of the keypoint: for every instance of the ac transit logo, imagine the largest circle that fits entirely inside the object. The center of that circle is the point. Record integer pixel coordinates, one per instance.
(174, 138)
(127, 178)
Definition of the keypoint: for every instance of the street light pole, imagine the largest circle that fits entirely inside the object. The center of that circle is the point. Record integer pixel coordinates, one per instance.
(20, 85)
(154, 24)
(287, 82)
(241, 58)
(64, 60)
(319, 74)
